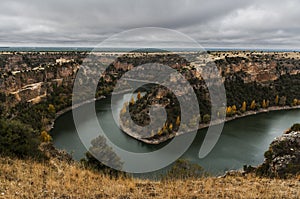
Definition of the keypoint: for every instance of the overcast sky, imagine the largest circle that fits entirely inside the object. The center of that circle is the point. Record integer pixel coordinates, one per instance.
(212, 23)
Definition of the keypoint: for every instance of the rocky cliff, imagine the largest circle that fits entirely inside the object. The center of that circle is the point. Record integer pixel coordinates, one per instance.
(30, 76)
(283, 157)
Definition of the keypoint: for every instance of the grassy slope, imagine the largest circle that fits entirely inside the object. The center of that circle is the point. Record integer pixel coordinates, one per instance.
(56, 179)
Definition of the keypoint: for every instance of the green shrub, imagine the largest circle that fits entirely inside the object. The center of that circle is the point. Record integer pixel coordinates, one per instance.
(18, 139)
(183, 169)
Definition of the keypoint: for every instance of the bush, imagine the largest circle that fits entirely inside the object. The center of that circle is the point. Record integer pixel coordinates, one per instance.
(45, 137)
(104, 153)
(18, 139)
(206, 118)
(295, 127)
(183, 169)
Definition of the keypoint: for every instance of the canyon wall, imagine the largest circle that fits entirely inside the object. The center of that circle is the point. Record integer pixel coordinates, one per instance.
(30, 76)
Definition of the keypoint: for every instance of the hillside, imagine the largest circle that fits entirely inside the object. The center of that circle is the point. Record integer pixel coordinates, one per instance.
(58, 179)
(36, 87)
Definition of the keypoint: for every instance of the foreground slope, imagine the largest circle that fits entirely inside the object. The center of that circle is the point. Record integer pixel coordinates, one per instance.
(59, 179)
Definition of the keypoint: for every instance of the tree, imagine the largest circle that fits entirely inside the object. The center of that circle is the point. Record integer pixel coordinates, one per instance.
(221, 111)
(51, 108)
(194, 121)
(282, 101)
(123, 111)
(229, 111)
(45, 137)
(104, 153)
(295, 102)
(152, 133)
(139, 95)
(177, 121)
(206, 118)
(183, 169)
(160, 131)
(268, 103)
(18, 139)
(276, 100)
(244, 107)
(233, 109)
(264, 104)
(132, 100)
(253, 105)
(171, 127)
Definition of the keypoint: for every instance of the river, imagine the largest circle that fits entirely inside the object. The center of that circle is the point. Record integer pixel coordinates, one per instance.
(243, 141)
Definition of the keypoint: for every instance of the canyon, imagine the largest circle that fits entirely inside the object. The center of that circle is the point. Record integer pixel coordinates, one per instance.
(31, 76)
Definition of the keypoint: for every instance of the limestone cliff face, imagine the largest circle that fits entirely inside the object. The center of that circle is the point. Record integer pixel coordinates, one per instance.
(28, 77)
(31, 76)
(260, 67)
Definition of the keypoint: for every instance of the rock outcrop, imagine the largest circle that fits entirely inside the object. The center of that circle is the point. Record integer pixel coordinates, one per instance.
(283, 157)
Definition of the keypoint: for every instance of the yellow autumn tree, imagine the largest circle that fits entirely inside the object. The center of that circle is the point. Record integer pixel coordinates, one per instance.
(51, 108)
(171, 127)
(244, 107)
(177, 121)
(233, 109)
(45, 137)
(159, 131)
(295, 102)
(228, 111)
(264, 104)
(123, 111)
(276, 100)
(253, 105)
(139, 95)
(132, 100)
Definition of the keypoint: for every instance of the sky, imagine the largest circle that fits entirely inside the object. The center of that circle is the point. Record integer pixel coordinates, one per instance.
(212, 23)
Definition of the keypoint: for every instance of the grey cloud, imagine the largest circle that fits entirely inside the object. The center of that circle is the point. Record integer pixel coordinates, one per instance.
(228, 23)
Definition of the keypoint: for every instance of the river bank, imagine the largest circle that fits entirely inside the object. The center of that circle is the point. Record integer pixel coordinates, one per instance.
(74, 106)
(202, 126)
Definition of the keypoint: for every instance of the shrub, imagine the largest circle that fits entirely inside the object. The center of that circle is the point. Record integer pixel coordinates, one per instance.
(206, 118)
(183, 169)
(102, 152)
(18, 139)
(45, 137)
(295, 127)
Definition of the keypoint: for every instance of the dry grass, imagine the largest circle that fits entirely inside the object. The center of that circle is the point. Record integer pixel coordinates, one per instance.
(29, 179)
